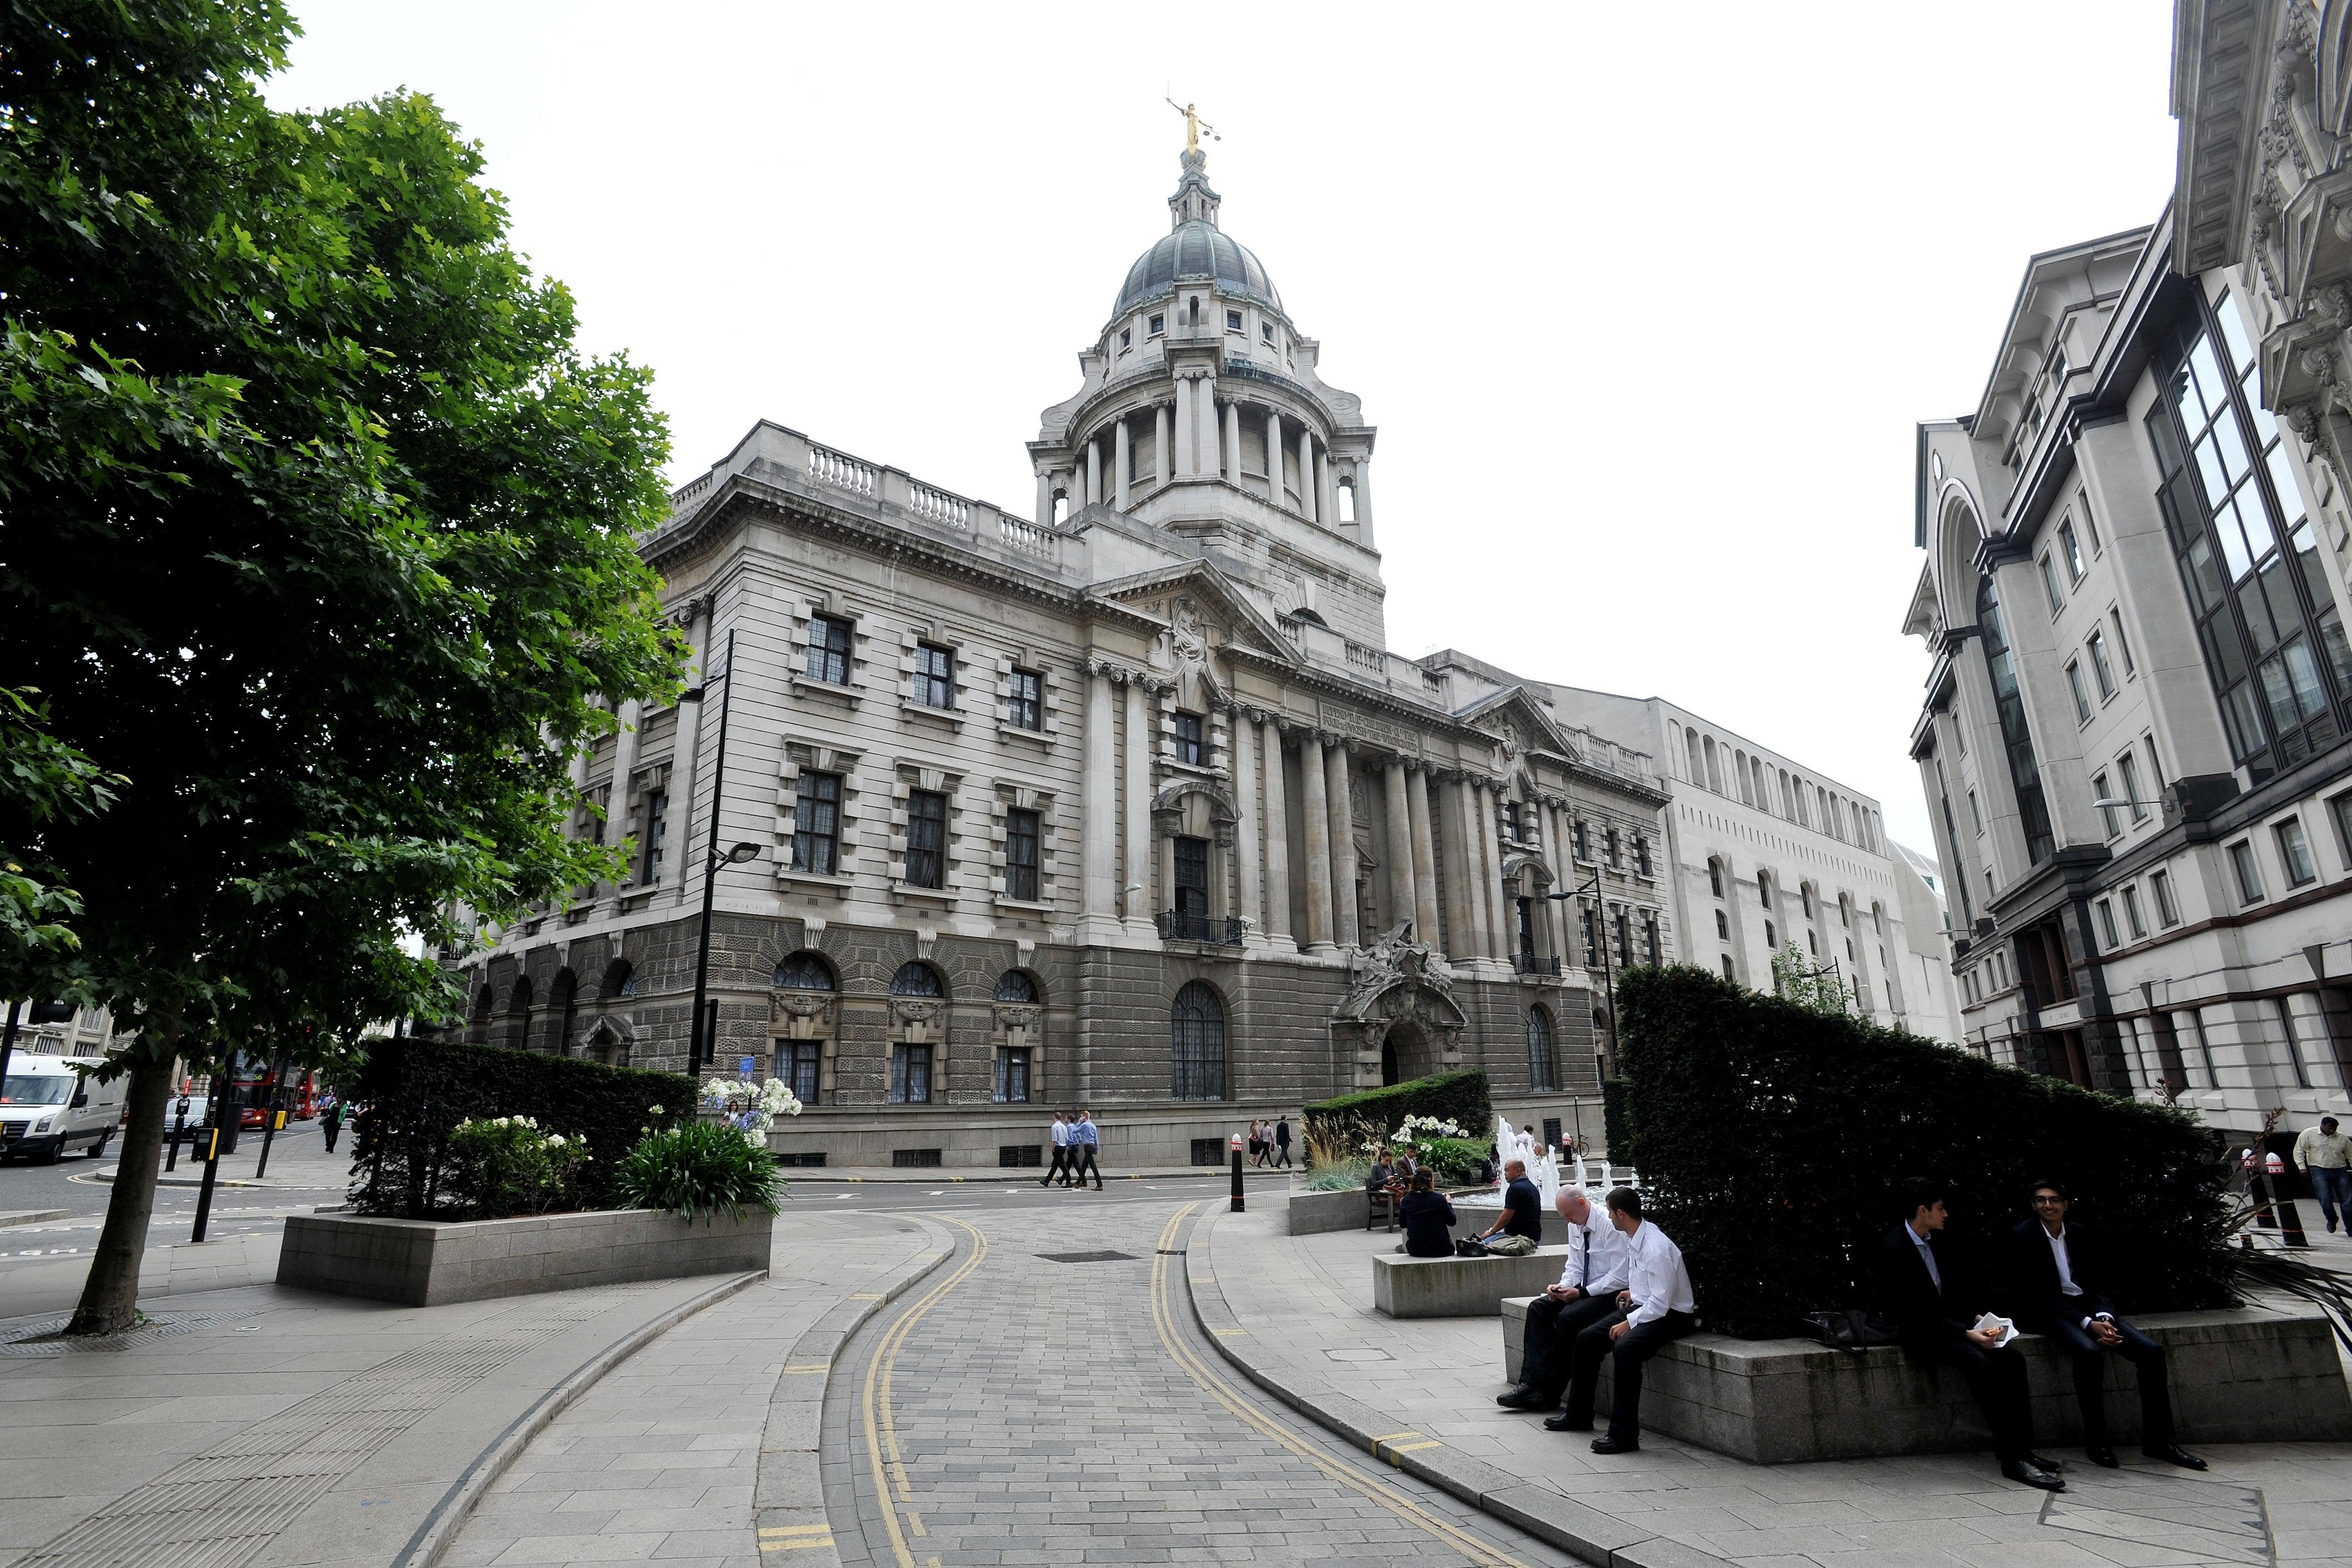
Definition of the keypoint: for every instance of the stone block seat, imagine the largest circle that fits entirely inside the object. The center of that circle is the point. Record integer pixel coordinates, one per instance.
(1406, 1287)
(2242, 1374)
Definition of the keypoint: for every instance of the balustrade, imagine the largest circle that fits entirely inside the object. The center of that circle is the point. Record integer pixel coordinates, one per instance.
(1025, 538)
(841, 471)
(938, 506)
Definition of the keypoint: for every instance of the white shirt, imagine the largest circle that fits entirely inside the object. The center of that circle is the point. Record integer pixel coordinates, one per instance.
(1526, 1143)
(2067, 1286)
(1658, 1280)
(1061, 1134)
(1928, 1256)
(1596, 1255)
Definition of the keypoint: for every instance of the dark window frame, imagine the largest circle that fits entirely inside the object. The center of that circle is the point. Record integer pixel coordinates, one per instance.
(935, 665)
(911, 1074)
(1025, 703)
(1191, 736)
(831, 661)
(927, 839)
(817, 824)
(1196, 1038)
(1023, 830)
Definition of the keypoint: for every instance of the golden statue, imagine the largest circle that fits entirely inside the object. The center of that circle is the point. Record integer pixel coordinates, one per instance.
(1194, 125)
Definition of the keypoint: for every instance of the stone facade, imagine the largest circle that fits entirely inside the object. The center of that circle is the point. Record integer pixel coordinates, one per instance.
(1122, 803)
(2134, 746)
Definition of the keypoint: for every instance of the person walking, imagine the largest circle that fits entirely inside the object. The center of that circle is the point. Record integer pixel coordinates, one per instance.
(1084, 1139)
(2325, 1155)
(1261, 1144)
(1282, 1140)
(1061, 1153)
(330, 1123)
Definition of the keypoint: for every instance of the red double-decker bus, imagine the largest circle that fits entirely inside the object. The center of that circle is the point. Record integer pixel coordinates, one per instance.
(254, 1092)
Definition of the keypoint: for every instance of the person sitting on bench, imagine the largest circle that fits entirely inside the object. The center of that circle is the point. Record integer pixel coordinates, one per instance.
(1428, 1217)
(1655, 1308)
(1587, 1291)
(1522, 1208)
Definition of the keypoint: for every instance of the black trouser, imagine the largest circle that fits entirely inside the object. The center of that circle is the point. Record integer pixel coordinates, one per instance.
(1546, 1345)
(1996, 1380)
(333, 1130)
(1082, 1161)
(1286, 1153)
(2090, 1359)
(1625, 1356)
(1061, 1166)
(1265, 1152)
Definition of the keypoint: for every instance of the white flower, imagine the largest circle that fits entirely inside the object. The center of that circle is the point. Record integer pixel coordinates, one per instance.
(554, 1141)
(653, 1109)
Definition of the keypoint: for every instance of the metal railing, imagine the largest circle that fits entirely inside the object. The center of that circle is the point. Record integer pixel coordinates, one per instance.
(1184, 926)
(1529, 963)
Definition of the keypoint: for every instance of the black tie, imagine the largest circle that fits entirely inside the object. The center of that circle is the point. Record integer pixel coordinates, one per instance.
(1584, 1263)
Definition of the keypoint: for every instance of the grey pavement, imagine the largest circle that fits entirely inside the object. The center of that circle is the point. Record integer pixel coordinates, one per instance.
(1302, 1309)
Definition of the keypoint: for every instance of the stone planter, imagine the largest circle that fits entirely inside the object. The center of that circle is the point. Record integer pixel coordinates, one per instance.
(426, 1262)
(1311, 1213)
(1458, 1287)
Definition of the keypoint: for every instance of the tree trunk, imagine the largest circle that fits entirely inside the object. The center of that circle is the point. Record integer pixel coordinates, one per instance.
(109, 1298)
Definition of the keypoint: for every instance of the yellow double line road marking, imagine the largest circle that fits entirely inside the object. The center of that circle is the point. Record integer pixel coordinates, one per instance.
(1370, 1486)
(795, 1537)
(881, 1426)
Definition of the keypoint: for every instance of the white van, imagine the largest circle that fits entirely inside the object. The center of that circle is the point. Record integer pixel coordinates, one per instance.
(49, 1104)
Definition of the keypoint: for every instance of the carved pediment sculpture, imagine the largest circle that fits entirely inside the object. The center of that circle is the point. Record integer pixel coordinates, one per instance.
(916, 1013)
(1395, 978)
(1011, 1015)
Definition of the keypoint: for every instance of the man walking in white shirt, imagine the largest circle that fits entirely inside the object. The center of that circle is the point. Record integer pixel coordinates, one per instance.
(1587, 1291)
(2325, 1155)
(1655, 1308)
(1061, 1153)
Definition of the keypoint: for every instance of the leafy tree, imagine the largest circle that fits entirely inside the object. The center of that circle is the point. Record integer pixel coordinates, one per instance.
(313, 525)
(1820, 990)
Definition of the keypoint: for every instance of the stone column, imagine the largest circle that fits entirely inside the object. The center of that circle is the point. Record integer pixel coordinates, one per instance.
(1491, 871)
(1401, 905)
(1232, 469)
(1278, 832)
(1184, 432)
(1119, 459)
(1045, 499)
(1425, 857)
(1306, 497)
(686, 771)
(1274, 456)
(1205, 404)
(1316, 817)
(1469, 911)
(1094, 471)
(1136, 905)
(1164, 460)
(1248, 886)
(1364, 501)
(1100, 797)
(1347, 928)
(1324, 499)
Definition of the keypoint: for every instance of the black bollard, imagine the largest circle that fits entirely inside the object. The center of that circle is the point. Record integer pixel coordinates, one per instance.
(179, 1130)
(1237, 1174)
(211, 1140)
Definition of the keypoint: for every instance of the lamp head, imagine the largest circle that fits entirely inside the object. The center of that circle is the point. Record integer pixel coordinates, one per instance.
(742, 852)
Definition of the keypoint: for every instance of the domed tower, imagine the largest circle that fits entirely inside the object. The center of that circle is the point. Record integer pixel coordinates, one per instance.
(1202, 416)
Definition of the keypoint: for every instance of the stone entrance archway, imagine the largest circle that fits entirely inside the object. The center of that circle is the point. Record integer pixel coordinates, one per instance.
(1405, 1053)
(1406, 1021)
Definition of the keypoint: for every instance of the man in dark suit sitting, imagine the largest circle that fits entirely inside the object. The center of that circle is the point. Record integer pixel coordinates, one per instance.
(2058, 1274)
(1924, 1291)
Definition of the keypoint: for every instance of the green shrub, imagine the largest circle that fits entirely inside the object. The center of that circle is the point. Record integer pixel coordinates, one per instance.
(1772, 1142)
(1616, 1124)
(1456, 1160)
(1346, 1120)
(1337, 1176)
(417, 1092)
(506, 1165)
(696, 1170)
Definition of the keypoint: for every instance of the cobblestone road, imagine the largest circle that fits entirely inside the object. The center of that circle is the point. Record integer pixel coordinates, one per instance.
(1043, 1401)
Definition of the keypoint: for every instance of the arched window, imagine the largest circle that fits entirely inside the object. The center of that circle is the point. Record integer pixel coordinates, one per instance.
(917, 979)
(561, 1002)
(1715, 876)
(483, 1003)
(518, 1029)
(1764, 888)
(1196, 1038)
(1697, 763)
(620, 980)
(1015, 985)
(804, 972)
(1543, 1064)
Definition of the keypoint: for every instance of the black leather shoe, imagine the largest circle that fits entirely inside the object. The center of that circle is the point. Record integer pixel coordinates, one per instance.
(2175, 1455)
(2032, 1476)
(2038, 1463)
(1611, 1446)
(2104, 1457)
(1564, 1422)
(1520, 1396)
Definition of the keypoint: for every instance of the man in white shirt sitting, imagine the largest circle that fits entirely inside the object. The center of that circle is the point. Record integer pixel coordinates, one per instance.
(1587, 1291)
(1655, 1308)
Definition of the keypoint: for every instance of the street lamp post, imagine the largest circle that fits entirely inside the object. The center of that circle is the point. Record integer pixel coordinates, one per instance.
(702, 1036)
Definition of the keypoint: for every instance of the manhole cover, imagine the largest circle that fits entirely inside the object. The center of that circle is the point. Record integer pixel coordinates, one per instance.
(1088, 1257)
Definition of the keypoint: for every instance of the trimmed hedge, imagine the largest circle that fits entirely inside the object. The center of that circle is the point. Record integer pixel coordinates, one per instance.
(1348, 1120)
(1773, 1143)
(416, 1091)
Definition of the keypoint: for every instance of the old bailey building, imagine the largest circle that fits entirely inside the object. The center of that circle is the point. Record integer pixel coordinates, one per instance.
(1123, 803)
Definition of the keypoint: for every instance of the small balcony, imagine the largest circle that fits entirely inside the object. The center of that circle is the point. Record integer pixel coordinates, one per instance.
(1529, 963)
(1185, 926)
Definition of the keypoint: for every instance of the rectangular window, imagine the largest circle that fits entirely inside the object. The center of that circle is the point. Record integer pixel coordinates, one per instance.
(1642, 854)
(1715, 872)
(657, 834)
(2339, 811)
(1157, 325)
(1726, 969)
(1511, 820)
(934, 675)
(1233, 320)
(2131, 914)
(2160, 883)
(1266, 330)
(1592, 941)
(2071, 550)
(2082, 696)
(2294, 1043)
(2128, 770)
(816, 824)
(828, 649)
(1192, 877)
(1610, 840)
(1723, 926)
(1650, 939)
(1584, 848)
(2123, 643)
(2107, 933)
(1021, 856)
(1188, 739)
(1126, 338)
(2294, 853)
(796, 1064)
(1625, 941)
(2100, 791)
(1012, 1078)
(2082, 505)
(1975, 813)
(927, 839)
(911, 1075)
(2249, 874)
(2097, 644)
(2049, 586)
(1028, 710)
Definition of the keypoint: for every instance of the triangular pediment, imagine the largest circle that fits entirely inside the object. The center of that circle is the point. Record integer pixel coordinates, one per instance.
(1226, 615)
(1519, 725)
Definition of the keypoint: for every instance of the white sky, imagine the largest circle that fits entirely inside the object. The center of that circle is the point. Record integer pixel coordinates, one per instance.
(1644, 299)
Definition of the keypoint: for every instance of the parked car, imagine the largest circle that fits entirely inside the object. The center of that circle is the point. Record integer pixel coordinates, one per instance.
(49, 1104)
